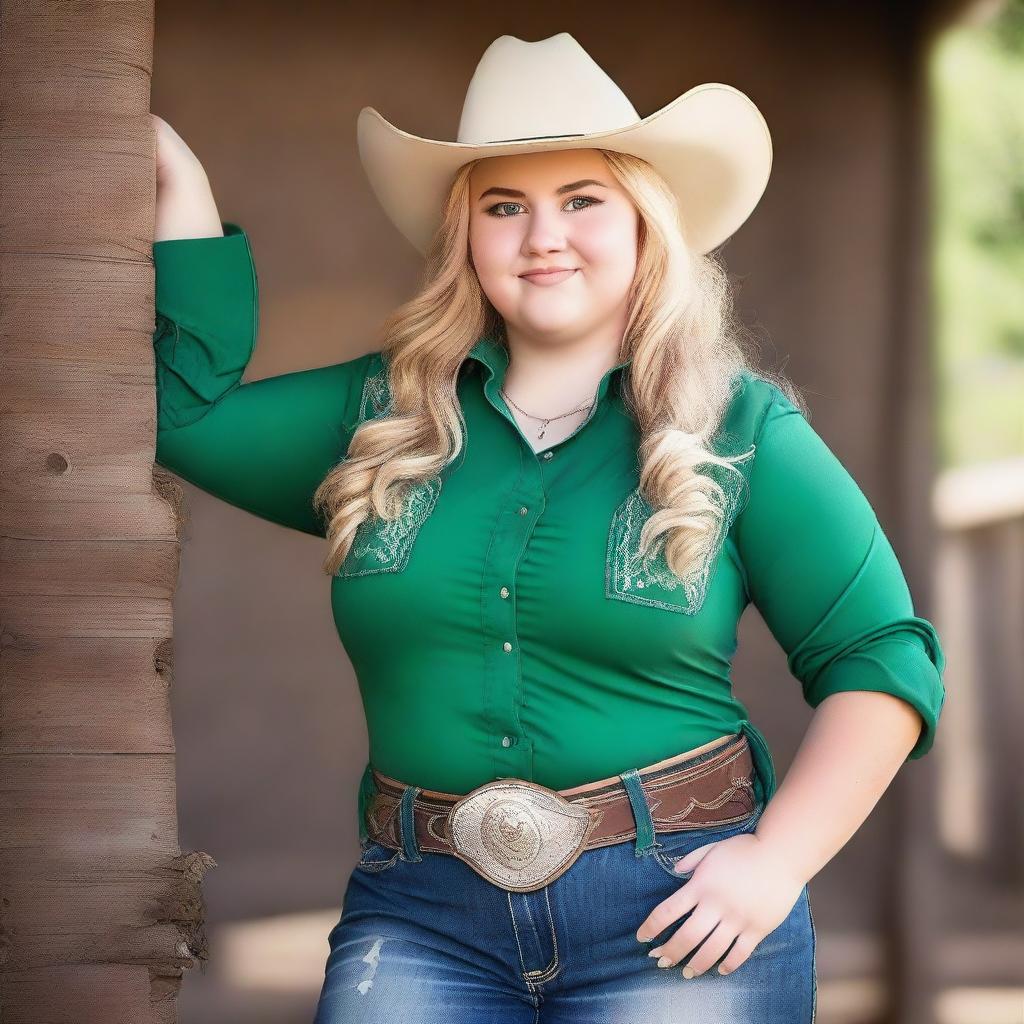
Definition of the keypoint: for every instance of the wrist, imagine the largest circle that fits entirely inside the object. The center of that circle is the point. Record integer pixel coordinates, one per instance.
(186, 208)
(786, 858)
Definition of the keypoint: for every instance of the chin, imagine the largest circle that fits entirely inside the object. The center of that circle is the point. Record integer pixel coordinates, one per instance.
(553, 316)
(549, 325)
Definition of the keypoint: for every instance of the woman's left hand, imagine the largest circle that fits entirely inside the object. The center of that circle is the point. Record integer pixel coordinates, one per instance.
(740, 890)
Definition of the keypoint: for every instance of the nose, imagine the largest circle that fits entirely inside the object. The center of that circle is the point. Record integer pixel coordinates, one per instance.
(544, 234)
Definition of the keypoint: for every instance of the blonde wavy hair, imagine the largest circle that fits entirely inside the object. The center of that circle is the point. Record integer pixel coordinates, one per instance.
(686, 346)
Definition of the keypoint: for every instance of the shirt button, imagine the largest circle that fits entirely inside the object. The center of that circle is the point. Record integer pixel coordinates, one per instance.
(507, 646)
(504, 591)
(506, 741)
(523, 511)
(549, 455)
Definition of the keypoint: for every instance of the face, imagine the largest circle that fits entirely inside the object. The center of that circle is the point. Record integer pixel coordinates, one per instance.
(562, 208)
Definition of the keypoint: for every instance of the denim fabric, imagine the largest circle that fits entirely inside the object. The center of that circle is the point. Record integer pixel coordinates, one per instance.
(423, 938)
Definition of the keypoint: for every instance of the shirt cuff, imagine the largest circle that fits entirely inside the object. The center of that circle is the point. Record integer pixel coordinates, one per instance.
(907, 665)
(207, 320)
(209, 283)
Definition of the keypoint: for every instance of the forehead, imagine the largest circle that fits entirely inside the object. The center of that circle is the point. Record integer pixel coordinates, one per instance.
(543, 170)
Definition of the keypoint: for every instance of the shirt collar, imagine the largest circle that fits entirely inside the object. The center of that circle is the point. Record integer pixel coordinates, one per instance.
(492, 354)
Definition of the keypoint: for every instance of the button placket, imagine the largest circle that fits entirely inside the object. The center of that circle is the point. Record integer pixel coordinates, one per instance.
(513, 752)
(502, 688)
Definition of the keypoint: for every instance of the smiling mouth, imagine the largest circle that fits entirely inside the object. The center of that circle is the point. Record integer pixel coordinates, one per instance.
(549, 278)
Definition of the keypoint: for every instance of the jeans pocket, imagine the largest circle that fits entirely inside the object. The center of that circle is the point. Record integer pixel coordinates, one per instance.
(376, 857)
(814, 956)
(673, 846)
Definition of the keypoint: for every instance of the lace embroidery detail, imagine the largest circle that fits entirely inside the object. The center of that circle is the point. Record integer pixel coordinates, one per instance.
(382, 545)
(378, 390)
(650, 581)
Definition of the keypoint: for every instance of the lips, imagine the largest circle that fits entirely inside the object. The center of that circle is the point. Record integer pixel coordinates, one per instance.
(548, 277)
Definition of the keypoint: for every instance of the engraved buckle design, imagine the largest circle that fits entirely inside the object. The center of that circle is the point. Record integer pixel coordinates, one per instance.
(517, 834)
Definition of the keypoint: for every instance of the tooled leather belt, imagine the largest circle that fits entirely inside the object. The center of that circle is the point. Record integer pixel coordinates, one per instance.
(521, 835)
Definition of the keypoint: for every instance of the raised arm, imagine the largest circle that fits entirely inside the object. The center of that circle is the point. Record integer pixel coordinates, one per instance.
(825, 577)
(264, 445)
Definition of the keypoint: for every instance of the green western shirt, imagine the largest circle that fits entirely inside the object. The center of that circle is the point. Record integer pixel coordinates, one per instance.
(504, 625)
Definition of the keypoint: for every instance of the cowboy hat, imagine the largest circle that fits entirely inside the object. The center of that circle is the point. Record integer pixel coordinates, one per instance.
(711, 144)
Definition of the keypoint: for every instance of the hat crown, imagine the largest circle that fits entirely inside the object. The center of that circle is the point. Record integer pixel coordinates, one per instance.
(551, 88)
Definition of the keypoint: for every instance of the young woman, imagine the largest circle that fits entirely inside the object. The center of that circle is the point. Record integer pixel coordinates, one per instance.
(548, 494)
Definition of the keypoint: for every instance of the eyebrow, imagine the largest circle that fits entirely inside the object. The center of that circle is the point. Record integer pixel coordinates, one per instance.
(499, 190)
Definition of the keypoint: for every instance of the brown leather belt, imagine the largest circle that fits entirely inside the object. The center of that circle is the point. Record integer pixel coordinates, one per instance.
(521, 835)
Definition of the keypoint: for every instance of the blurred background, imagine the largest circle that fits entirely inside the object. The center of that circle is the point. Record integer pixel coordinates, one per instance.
(884, 274)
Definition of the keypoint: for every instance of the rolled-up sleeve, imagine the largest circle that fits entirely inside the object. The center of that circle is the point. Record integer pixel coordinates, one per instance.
(207, 311)
(263, 445)
(824, 576)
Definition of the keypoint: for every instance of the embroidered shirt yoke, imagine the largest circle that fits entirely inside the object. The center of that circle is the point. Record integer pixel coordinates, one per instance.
(505, 625)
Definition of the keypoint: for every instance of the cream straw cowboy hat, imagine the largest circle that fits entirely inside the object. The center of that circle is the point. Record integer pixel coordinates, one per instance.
(711, 145)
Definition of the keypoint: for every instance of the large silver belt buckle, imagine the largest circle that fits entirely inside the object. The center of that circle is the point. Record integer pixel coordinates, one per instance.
(517, 834)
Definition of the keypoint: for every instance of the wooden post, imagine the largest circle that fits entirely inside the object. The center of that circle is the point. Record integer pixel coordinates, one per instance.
(100, 909)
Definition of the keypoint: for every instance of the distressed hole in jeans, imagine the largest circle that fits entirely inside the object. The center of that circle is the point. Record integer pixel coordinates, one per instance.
(373, 959)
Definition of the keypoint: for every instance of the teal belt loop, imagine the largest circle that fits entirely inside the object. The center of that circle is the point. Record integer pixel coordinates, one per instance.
(762, 760)
(410, 849)
(645, 838)
(367, 789)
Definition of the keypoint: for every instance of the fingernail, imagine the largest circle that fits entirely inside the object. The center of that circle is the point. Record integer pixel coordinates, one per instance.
(654, 952)
(665, 961)
(644, 938)
(688, 972)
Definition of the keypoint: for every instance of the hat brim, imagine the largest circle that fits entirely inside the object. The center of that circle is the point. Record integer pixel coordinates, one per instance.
(711, 145)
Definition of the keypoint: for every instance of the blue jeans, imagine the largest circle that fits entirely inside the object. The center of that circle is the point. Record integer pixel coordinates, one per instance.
(424, 939)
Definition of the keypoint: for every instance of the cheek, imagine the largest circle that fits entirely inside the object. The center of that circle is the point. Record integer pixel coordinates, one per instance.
(610, 272)
(493, 253)
(609, 251)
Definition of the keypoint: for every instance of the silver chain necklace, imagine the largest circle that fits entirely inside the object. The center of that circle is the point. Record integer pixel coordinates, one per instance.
(544, 421)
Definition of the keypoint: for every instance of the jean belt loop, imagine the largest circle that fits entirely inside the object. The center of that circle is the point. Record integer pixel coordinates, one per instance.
(764, 765)
(410, 848)
(645, 837)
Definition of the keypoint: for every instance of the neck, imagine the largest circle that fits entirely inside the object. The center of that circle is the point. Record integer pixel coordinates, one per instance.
(548, 379)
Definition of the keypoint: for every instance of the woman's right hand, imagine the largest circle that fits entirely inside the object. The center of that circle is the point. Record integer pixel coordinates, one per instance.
(185, 207)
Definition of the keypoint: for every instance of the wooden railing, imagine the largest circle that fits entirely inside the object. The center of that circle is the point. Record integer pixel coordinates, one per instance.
(979, 595)
(980, 618)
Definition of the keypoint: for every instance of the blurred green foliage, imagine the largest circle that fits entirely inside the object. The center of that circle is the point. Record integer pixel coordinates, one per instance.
(977, 82)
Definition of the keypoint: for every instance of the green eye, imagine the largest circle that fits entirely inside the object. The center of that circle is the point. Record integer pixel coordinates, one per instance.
(499, 206)
(586, 199)
(589, 200)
